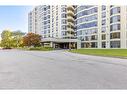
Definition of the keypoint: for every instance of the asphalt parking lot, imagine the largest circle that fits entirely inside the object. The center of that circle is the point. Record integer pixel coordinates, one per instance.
(60, 70)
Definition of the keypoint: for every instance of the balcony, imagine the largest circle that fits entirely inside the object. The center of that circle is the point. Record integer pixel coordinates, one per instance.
(69, 36)
(70, 19)
(70, 30)
(70, 24)
(70, 13)
(70, 7)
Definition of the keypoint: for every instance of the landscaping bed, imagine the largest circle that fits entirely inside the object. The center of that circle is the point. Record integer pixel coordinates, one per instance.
(41, 48)
(36, 48)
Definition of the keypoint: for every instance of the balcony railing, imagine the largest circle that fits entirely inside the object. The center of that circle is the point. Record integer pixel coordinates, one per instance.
(71, 13)
(70, 30)
(70, 8)
(70, 24)
(70, 19)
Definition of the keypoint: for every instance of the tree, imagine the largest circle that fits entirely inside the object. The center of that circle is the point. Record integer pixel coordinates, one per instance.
(11, 39)
(6, 39)
(32, 39)
(17, 38)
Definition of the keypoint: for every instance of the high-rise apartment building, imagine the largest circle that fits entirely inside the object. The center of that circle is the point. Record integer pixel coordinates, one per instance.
(102, 26)
(33, 20)
(55, 24)
(91, 26)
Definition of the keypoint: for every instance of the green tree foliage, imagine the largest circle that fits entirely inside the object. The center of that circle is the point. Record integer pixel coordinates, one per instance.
(6, 39)
(32, 39)
(17, 38)
(11, 39)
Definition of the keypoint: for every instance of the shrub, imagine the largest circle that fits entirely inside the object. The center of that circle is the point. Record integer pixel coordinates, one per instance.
(41, 48)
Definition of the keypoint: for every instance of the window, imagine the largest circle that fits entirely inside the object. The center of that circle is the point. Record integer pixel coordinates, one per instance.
(48, 26)
(87, 25)
(48, 7)
(89, 18)
(103, 7)
(63, 9)
(48, 16)
(45, 18)
(115, 19)
(93, 31)
(103, 36)
(45, 22)
(64, 21)
(63, 15)
(87, 12)
(103, 44)
(56, 17)
(45, 27)
(45, 32)
(115, 44)
(115, 35)
(81, 38)
(103, 14)
(48, 21)
(83, 7)
(104, 22)
(86, 38)
(94, 37)
(115, 10)
(48, 11)
(64, 27)
(44, 9)
(103, 29)
(48, 31)
(80, 32)
(115, 27)
(93, 44)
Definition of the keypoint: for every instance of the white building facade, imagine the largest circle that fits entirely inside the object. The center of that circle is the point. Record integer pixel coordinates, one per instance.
(93, 26)
(54, 22)
(102, 26)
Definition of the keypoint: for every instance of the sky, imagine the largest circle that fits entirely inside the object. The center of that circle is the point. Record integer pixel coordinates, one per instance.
(14, 18)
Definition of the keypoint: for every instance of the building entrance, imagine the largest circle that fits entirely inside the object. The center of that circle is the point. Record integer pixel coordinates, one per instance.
(66, 45)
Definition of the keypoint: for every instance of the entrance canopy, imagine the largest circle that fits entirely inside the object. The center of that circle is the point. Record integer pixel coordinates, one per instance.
(59, 40)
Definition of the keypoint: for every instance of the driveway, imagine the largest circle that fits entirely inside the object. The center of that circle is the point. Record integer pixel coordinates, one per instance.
(60, 70)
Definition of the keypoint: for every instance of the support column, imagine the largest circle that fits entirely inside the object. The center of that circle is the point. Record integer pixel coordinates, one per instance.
(78, 44)
(51, 44)
(69, 45)
(123, 33)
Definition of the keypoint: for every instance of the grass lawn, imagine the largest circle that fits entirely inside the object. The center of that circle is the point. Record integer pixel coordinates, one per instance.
(103, 52)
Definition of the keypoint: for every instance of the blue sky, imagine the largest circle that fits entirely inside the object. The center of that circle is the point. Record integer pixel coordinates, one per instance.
(14, 18)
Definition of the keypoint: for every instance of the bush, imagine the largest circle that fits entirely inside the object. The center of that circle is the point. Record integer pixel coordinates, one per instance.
(41, 48)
